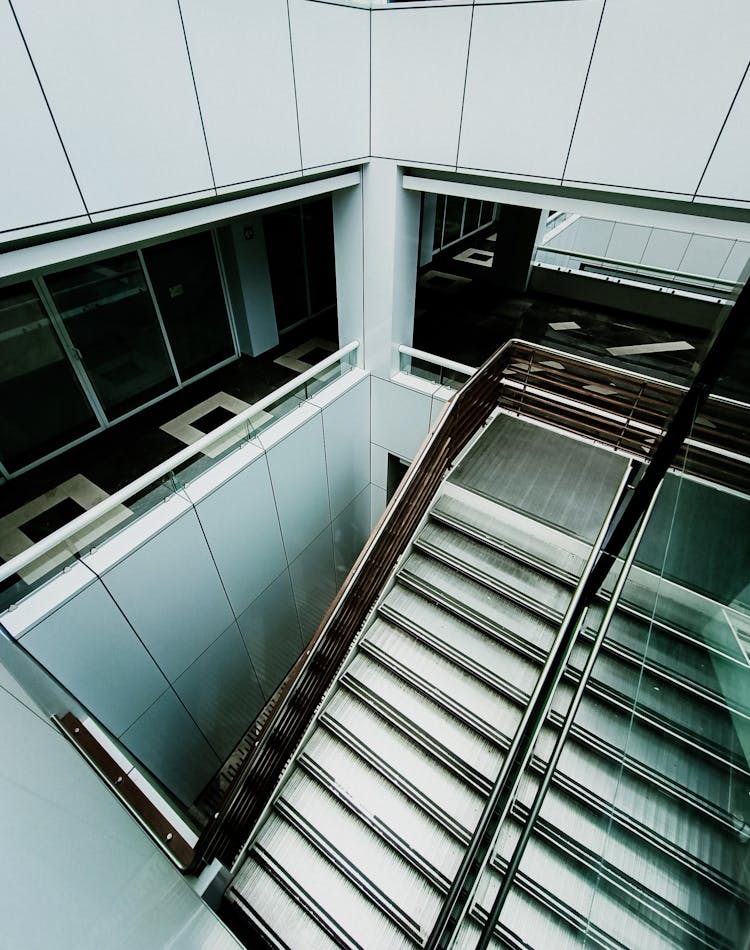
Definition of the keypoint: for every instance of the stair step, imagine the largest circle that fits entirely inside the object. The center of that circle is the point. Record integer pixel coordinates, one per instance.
(378, 788)
(590, 835)
(511, 531)
(278, 911)
(498, 663)
(684, 660)
(383, 741)
(581, 898)
(700, 722)
(350, 843)
(531, 587)
(365, 922)
(428, 723)
(715, 851)
(477, 703)
(478, 605)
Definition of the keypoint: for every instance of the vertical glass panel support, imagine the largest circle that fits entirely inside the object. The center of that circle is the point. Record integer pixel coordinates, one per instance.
(437, 242)
(107, 312)
(44, 406)
(471, 215)
(454, 212)
(187, 285)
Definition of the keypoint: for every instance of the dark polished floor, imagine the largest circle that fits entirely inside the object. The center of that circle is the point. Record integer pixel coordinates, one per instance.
(467, 320)
(39, 501)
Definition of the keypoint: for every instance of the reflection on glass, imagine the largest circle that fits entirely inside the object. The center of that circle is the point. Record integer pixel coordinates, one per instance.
(487, 213)
(454, 211)
(107, 311)
(187, 285)
(43, 404)
(437, 241)
(286, 265)
(471, 217)
(317, 217)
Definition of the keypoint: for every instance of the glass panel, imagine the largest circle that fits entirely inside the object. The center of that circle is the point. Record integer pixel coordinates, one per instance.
(488, 212)
(454, 210)
(437, 241)
(471, 218)
(44, 405)
(108, 313)
(286, 265)
(317, 219)
(187, 285)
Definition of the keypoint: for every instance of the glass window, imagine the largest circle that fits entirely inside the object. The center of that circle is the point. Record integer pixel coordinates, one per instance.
(44, 406)
(439, 215)
(286, 265)
(187, 285)
(107, 311)
(454, 212)
(471, 217)
(317, 218)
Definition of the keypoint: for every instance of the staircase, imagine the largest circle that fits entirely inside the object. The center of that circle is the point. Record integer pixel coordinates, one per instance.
(641, 840)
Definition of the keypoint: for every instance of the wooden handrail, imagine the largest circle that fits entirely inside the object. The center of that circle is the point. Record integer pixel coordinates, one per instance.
(635, 411)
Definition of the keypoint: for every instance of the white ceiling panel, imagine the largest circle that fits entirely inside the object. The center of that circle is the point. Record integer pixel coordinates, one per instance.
(118, 80)
(661, 81)
(527, 67)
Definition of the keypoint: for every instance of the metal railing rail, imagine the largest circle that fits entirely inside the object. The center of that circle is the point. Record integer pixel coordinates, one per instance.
(68, 531)
(253, 784)
(658, 271)
(441, 361)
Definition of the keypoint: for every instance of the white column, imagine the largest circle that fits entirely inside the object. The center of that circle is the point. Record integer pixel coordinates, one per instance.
(391, 245)
(243, 248)
(347, 240)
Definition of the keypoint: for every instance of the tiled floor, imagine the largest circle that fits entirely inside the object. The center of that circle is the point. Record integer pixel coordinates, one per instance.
(460, 314)
(38, 502)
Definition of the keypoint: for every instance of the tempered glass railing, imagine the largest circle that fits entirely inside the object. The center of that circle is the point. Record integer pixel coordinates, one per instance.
(435, 369)
(28, 565)
(627, 821)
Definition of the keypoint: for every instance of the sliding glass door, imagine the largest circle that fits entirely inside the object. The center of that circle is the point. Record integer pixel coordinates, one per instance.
(185, 278)
(43, 404)
(107, 312)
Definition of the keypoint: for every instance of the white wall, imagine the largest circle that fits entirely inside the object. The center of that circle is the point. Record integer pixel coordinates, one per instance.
(505, 89)
(118, 109)
(79, 872)
(149, 105)
(704, 255)
(177, 630)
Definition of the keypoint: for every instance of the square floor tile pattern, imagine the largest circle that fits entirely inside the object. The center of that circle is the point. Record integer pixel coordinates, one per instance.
(50, 511)
(305, 356)
(185, 429)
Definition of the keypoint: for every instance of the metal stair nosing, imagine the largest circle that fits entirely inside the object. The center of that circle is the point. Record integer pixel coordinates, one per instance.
(428, 744)
(443, 818)
(660, 724)
(640, 769)
(635, 659)
(616, 878)
(541, 610)
(503, 547)
(301, 897)
(386, 905)
(453, 654)
(418, 861)
(423, 686)
(658, 910)
(627, 822)
(432, 594)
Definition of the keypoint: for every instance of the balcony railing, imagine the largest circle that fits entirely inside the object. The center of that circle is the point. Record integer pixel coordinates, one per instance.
(624, 410)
